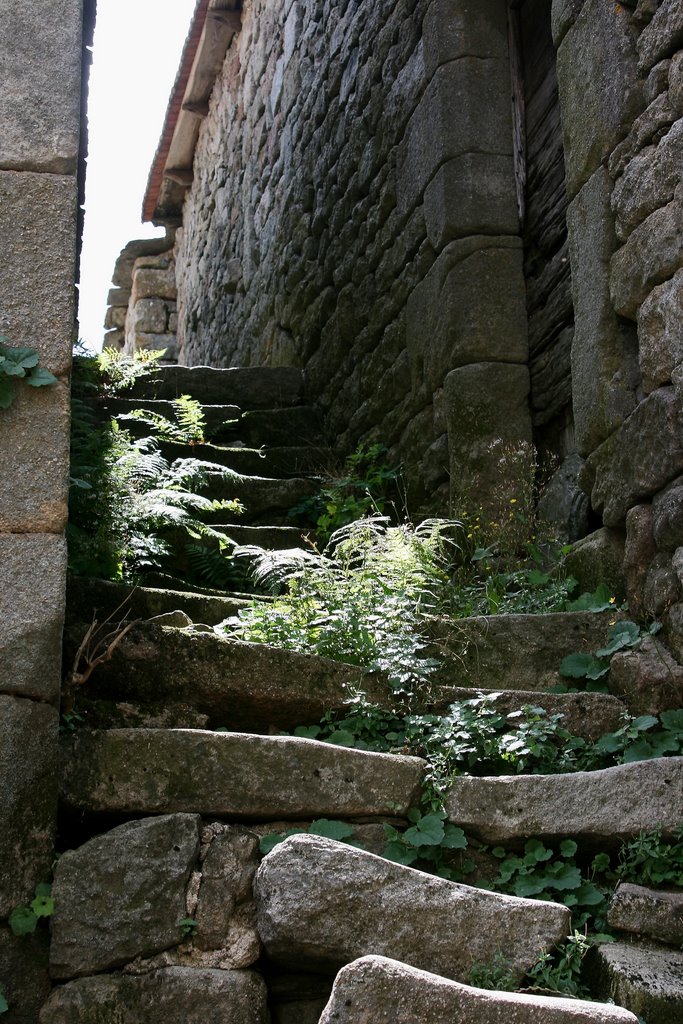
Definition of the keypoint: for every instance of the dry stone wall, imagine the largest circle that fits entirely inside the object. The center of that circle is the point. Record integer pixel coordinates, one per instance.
(353, 212)
(141, 306)
(619, 70)
(40, 111)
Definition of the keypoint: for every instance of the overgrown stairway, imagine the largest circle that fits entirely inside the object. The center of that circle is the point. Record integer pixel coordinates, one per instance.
(179, 768)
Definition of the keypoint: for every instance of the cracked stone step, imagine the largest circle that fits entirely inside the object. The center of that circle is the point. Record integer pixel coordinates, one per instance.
(646, 979)
(239, 686)
(85, 597)
(652, 912)
(249, 777)
(321, 904)
(600, 807)
(589, 715)
(519, 652)
(376, 988)
(258, 387)
(283, 461)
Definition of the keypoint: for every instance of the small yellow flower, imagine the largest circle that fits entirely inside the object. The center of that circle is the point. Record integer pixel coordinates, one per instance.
(612, 600)
(513, 501)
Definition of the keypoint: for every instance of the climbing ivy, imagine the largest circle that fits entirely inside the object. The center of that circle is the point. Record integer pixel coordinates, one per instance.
(19, 364)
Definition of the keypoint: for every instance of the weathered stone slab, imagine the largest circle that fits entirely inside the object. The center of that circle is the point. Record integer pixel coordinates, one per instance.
(648, 182)
(598, 559)
(38, 229)
(647, 679)
(40, 101)
(259, 387)
(667, 516)
(24, 974)
(648, 127)
(600, 90)
(676, 82)
(323, 904)
(562, 16)
(653, 253)
(465, 108)
(376, 988)
(35, 461)
(121, 894)
(602, 392)
(257, 777)
(662, 36)
(601, 806)
(645, 979)
(240, 686)
(464, 29)
(28, 783)
(487, 410)
(519, 652)
(174, 995)
(225, 904)
(470, 308)
(660, 340)
(643, 911)
(640, 458)
(563, 503)
(473, 193)
(32, 584)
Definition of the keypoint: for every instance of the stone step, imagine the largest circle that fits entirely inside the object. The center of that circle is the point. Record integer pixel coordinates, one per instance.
(518, 652)
(646, 979)
(220, 420)
(249, 387)
(599, 808)
(248, 777)
(376, 988)
(654, 913)
(87, 597)
(261, 496)
(240, 686)
(589, 715)
(272, 538)
(321, 904)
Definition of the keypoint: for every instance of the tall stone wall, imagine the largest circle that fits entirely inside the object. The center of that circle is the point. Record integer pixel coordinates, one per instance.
(353, 212)
(40, 111)
(141, 307)
(620, 69)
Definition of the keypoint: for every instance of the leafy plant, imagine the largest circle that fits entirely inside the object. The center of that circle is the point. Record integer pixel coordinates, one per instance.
(188, 926)
(429, 841)
(119, 372)
(622, 635)
(651, 860)
(339, 830)
(19, 364)
(24, 919)
(361, 490)
(497, 975)
(642, 738)
(188, 426)
(559, 972)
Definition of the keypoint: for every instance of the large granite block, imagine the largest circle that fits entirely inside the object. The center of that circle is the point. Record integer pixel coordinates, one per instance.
(464, 28)
(38, 261)
(32, 587)
(473, 193)
(41, 96)
(653, 253)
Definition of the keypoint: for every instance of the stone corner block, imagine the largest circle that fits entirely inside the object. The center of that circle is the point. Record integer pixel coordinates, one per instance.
(451, 31)
(32, 596)
(121, 894)
(40, 104)
(38, 261)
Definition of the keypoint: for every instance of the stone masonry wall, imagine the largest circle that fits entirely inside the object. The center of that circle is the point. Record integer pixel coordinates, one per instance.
(141, 307)
(353, 212)
(39, 161)
(620, 70)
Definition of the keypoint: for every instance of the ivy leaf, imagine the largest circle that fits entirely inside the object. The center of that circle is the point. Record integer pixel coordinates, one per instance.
(589, 895)
(400, 854)
(454, 838)
(536, 851)
(307, 732)
(40, 378)
(43, 889)
(43, 906)
(7, 392)
(338, 830)
(568, 848)
(599, 601)
(23, 921)
(672, 719)
(342, 737)
(582, 666)
(429, 831)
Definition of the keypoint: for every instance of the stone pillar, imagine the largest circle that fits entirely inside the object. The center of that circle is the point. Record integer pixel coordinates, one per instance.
(466, 323)
(40, 111)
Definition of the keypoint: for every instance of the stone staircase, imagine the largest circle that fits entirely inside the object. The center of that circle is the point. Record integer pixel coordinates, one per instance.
(165, 910)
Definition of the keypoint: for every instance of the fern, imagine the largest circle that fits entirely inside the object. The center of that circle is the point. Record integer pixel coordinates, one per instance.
(119, 372)
(189, 426)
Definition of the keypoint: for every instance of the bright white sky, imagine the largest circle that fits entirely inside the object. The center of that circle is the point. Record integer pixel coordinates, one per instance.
(137, 51)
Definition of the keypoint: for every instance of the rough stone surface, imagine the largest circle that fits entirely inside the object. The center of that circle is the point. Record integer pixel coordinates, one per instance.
(652, 912)
(486, 410)
(122, 894)
(259, 777)
(323, 904)
(564, 504)
(648, 679)
(639, 553)
(248, 388)
(375, 988)
(175, 995)
(640, 458)
(24, 974)
(659, 335)
(35, 458)
(225, 904)
(600, 806)
(562, 16)
(32, 581)
(38, 227)
(598, 559)
(28, 783)
(40, 101)
(647, 129)
(602, 388)
(600, 90)
(662, 36)
(648, 182)
(676, 82)
(239, 686)
(452, 31)
(645, 979)
(653, 253)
